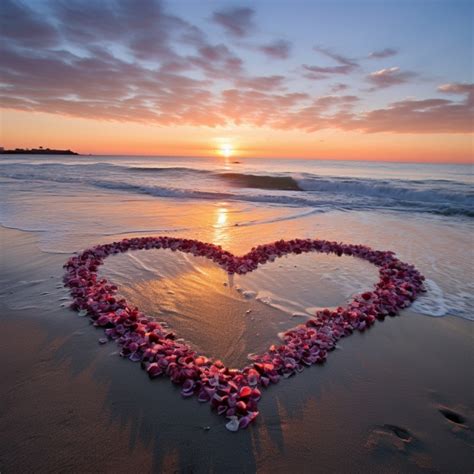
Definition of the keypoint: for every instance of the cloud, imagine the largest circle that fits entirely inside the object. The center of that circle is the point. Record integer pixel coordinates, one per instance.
(459, 89)
(112, 61)
(456, 88)
(389, 77)
(327, 101)
(264, 83)
(258, 108)
(419, 116)
(20, 25)
(383, 53)
(216, 61)
(407, 116)
(104, 87)
(236, 21)
(147, 33)
(278, 49)
(339, 87)
(344, 65)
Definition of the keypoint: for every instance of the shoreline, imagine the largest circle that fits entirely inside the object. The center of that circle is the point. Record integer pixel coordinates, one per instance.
(70, 403)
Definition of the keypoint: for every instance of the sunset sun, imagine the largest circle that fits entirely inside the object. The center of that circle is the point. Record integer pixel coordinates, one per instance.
(226, 150)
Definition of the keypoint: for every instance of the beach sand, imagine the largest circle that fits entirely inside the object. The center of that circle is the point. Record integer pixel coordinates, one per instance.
(397, 398)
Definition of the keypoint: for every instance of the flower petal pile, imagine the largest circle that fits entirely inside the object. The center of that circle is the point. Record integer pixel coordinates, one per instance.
(234, 393)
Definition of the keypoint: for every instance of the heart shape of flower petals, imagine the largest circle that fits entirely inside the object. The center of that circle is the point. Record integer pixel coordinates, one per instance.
(234, 393)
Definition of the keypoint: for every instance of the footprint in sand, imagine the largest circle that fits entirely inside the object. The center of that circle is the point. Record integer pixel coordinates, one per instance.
(387, 442)
(458, 424)
(400, 432)
(390, 436)
(458, 420)
(453, 416)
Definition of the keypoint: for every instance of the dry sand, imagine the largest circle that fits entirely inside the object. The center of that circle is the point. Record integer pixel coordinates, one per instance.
(397, 398)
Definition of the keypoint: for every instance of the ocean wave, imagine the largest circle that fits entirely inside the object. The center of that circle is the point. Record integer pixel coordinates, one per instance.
(161, 170)
(300, 199)
(428, 191)
(280, 183)
(442, 197)
(169, 192)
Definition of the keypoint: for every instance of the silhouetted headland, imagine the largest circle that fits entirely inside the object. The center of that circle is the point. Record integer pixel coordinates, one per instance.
(37, 151)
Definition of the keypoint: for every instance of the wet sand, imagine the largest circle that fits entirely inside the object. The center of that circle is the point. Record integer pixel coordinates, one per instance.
(397, 398)
(230, 318)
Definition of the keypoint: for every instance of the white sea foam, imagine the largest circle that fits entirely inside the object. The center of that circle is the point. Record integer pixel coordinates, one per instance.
(432, 303)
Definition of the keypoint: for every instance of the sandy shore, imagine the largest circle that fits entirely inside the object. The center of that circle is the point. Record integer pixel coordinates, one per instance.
(397, 398)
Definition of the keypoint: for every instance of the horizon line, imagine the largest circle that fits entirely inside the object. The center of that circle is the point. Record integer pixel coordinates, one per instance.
(237, 157)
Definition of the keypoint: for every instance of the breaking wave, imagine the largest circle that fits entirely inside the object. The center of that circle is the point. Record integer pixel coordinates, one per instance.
(443, 197)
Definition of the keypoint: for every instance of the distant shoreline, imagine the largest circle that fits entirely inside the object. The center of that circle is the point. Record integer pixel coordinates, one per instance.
(37, 151)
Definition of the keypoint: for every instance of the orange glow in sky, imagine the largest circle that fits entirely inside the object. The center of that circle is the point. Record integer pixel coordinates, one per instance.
(88, 136)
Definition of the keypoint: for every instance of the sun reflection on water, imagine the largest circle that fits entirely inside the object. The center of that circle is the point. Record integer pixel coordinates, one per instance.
(221, 234)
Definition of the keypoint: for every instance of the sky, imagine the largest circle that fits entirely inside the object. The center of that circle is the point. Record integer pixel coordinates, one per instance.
(370, 80)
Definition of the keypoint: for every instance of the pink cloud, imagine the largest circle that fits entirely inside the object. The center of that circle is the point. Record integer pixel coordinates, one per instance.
(344, 65)
(339, 87)
(256, 107)
(419, 116)
(236, 21)
(112, 61)
(264, 83)
(216, 61)
(458, 88)
(389, 77)
(279, 49)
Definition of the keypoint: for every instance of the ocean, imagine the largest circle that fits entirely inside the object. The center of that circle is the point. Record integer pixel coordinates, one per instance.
(424, 212)
(321, 185)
